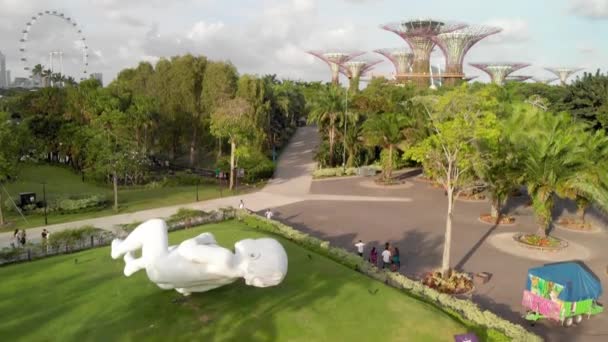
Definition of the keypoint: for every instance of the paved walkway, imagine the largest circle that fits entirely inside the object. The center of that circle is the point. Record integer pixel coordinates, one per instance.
(290, 184)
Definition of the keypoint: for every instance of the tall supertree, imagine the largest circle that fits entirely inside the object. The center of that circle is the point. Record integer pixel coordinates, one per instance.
(417, 33)
(545, 80)
(455, 46)
(354, 69)
(400, 57)
(499, 71)
(563, 73)
(334, 59)
(517, 78)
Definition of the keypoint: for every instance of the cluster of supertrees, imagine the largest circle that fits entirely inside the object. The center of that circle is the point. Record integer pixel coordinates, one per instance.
(412, 62)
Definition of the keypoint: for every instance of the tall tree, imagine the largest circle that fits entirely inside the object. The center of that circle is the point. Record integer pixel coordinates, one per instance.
(219, 86)
(9, 153)
(187, 89)
(232, 120)
(450, 153)
(326, 113)
(386, 130)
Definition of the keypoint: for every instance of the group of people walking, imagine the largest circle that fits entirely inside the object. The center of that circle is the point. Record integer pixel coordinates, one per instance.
(20, 238)
(390, 257)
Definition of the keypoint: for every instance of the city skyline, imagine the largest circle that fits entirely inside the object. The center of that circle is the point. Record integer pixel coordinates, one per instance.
(545, 34)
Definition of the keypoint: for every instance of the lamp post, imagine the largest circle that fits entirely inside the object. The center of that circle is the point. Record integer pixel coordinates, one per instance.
(344, 136)
(197, 181)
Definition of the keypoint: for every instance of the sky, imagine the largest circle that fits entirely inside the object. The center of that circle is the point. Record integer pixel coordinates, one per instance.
(272, 36)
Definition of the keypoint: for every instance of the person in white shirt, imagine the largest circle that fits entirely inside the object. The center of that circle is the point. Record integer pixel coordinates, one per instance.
(360, 246)
(241, 205)
(268, 214)
(386, 257)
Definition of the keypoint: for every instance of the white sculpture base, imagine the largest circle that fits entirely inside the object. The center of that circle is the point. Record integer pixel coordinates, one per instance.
(199, 264)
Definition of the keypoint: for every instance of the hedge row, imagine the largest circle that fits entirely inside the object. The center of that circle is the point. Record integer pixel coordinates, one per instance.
(463, 308)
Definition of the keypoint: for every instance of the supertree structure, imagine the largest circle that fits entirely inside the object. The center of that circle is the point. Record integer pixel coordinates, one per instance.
(417, 33)
(400, 57)
(455, 46)
(354, 69)
(544, 80)
(563, 73)
(499, 71)
(517, 78)
(334, 59)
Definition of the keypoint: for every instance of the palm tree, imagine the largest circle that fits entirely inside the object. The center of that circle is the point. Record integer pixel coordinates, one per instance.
(386, 130)
(326, 113)
(353, 140)
(591, 184)
(553, 162)
(46, 77)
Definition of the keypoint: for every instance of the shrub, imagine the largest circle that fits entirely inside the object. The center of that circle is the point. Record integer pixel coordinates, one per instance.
(185, 214)
(75, 204)
(463, 310)
(69, 238)
(334, 172)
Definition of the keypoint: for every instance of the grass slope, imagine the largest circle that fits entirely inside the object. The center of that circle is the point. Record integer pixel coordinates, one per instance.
(61, 182)
(84, 296)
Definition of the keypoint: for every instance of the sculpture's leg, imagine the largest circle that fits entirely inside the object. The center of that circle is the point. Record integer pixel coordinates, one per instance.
(150, 236)
(133, 264)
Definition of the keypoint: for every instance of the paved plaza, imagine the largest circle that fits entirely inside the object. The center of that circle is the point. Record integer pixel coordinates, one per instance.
(411, 217)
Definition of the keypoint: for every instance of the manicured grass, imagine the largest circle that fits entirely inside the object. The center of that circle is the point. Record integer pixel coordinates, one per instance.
(85, 296)
(61, 182)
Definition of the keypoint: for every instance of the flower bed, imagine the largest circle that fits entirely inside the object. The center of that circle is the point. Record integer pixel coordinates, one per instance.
(460, 308)
(502, 219)
(572, 223)
(534, 241)
(455, 283)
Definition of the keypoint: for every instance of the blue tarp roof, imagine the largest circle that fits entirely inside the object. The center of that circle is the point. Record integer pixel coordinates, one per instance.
(578, 283)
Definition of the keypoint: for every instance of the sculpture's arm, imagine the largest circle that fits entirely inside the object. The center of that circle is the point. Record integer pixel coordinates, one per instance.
(212, 255)
(206, 239)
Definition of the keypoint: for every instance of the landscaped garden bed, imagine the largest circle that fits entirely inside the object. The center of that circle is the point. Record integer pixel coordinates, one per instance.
(502, 219)
(546, 243)
(472, 196)
(575, 224)
(455, 283)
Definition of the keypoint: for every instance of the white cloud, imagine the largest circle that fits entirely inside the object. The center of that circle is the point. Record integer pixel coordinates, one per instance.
(514, 31)
(594, 9)
(202, 30)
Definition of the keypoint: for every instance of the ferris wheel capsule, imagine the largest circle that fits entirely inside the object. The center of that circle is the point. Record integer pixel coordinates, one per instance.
(47, 12)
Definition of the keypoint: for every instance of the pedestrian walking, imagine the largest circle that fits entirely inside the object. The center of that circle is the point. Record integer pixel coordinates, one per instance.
(241, 205)
(22, 238)
(373, 256)
(44, 234)
(360, 245)
(15, 240)
(268, 214)
(386, 257)
(396, 260)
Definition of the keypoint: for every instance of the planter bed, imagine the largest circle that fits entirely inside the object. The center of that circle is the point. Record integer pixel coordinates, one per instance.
(504, 220)
(532, 241)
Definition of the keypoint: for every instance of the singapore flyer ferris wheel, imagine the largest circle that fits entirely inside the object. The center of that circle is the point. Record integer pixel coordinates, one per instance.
(55, 56)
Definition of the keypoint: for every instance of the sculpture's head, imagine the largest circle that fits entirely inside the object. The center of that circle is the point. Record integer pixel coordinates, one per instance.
(263, 261)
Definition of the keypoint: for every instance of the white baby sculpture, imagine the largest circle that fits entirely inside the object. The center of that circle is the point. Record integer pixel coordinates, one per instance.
(199, 264)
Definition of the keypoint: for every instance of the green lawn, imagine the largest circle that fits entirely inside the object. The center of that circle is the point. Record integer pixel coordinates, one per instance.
(85, 296)
(62, 181)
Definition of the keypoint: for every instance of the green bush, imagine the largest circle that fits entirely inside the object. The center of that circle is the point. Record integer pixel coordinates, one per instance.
(69, 238)
(464, 310)
(185, 214)
(257, 166)
(76, 204)
(334, 172)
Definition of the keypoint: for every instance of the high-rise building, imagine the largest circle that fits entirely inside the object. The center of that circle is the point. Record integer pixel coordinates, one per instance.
(8, 78)
(3, 83)
(98, 76)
